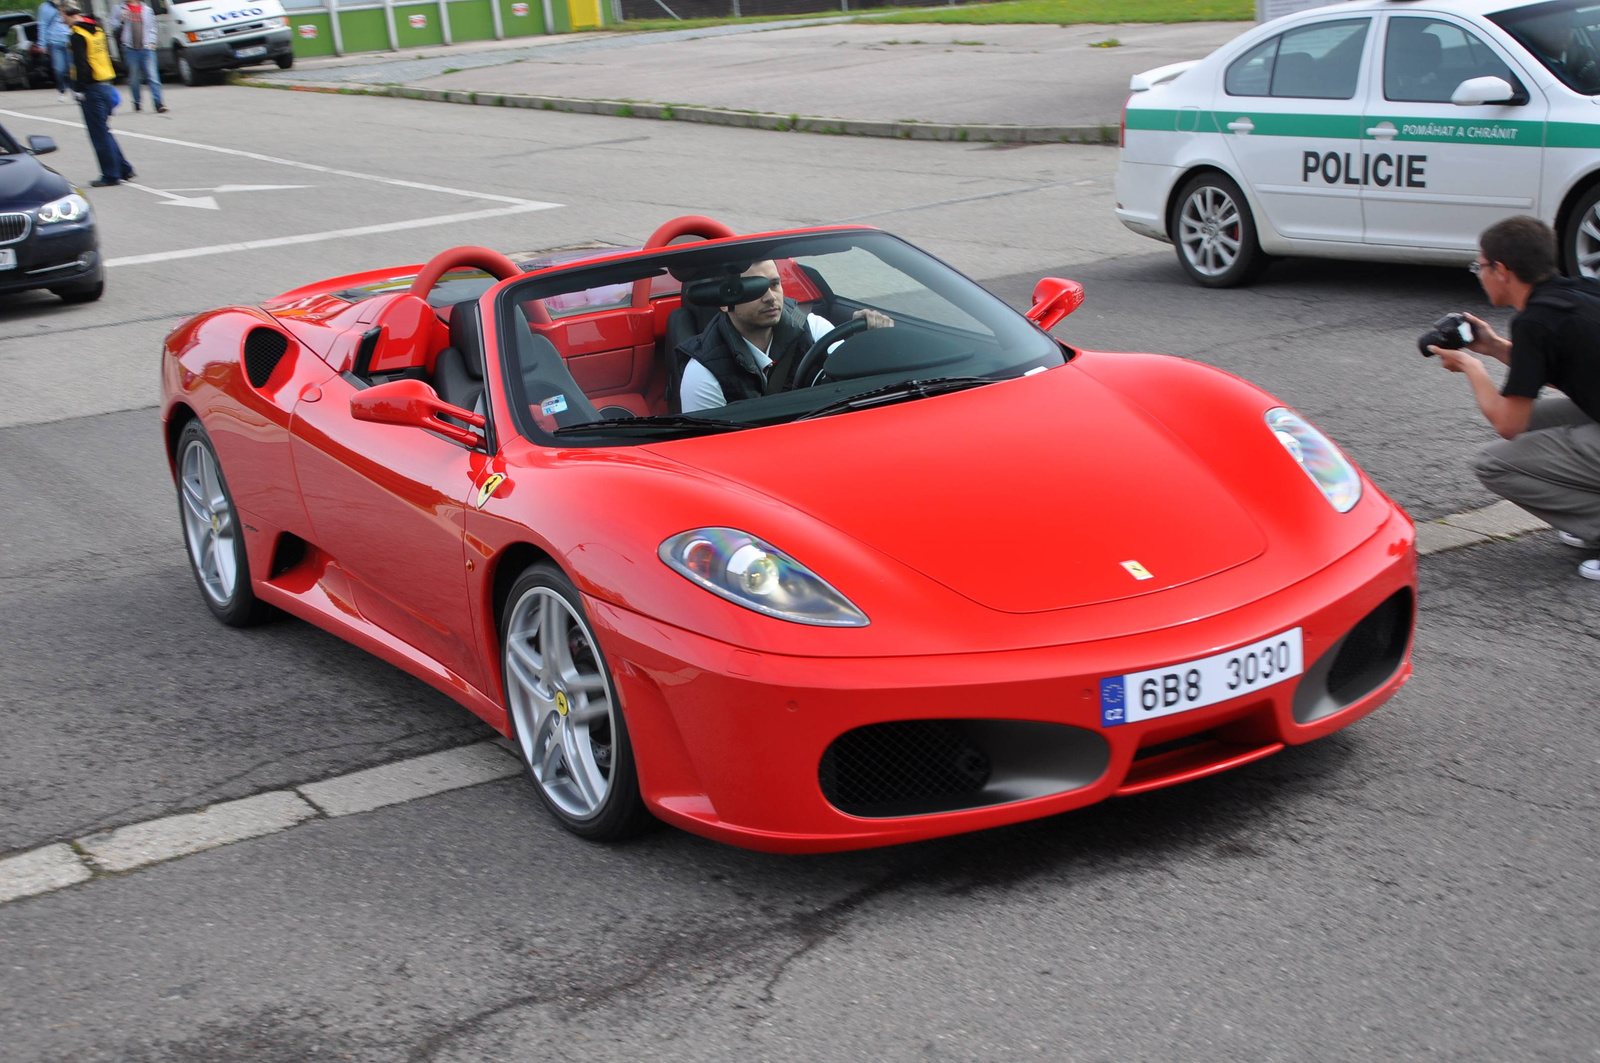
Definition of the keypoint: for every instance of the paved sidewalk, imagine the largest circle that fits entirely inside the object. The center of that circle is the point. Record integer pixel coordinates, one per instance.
(920, 80)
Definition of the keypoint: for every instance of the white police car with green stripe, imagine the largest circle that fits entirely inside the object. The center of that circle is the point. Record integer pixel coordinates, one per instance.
(1392, 130)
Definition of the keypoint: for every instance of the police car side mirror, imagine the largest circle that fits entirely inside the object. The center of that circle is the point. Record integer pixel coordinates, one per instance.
(1053, 299)
(1476, 91)
(40, 145)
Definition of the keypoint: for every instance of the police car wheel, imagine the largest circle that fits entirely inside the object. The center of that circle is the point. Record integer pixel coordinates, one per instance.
(1215, 234)
(562, 708)
(1580, 244)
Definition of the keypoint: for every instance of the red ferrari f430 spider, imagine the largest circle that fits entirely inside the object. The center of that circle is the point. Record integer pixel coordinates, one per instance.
(915, 568)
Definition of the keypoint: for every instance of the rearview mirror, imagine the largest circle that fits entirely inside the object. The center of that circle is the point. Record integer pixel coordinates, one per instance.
(1475, 91)
(725, 291)
(41, 145)
(1053, 299)
(416, 405)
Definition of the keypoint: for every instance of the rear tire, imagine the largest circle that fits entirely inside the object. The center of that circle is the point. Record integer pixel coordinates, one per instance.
(565, 719)
(1215, 233)
(213, 534)
(1580, 241)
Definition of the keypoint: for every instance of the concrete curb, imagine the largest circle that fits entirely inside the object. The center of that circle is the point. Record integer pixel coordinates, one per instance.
(1105, 133)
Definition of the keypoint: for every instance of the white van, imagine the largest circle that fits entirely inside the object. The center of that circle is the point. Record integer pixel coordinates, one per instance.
(196, 39)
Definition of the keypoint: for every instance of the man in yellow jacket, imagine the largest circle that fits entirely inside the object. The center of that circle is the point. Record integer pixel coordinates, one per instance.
(92, 77)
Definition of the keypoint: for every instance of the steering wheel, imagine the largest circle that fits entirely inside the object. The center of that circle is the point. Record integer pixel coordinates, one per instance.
(813, 360)
(493, 263)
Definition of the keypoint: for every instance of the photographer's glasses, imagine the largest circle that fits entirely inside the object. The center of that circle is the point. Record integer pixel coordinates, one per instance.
(1477, 267)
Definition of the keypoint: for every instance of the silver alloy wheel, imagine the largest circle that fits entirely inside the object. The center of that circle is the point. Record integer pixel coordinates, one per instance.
(1210, 231)
(558, 696)
(209, 527)
(1586, 243)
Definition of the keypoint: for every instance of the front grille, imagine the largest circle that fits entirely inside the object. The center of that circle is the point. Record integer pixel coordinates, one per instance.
(1372, 650)
(904, 761)
(263, 349)
(254, 27)
(14, 227)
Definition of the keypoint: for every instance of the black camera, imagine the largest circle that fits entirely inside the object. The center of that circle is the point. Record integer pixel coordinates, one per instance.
(1452, 332)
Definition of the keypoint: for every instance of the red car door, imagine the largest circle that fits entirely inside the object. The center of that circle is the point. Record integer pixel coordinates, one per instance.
(387, 503)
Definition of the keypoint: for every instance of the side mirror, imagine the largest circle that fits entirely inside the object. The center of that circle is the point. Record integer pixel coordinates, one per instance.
(40, 145)
(1053, 299)
(1476, 91)
(416, 405)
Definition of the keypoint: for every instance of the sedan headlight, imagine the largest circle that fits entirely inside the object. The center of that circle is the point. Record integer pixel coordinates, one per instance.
(67, 208)
(1314, 452)
(743, 569)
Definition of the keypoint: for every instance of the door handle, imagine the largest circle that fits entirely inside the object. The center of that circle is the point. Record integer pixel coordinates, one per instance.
(1383, 131)
(1241, 125)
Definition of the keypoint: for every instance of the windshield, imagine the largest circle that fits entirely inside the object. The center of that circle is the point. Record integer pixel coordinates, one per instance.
(1564, 36)
(696, 339)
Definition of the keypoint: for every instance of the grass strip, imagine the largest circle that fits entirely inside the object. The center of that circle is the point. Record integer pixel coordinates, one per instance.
(1046, 12)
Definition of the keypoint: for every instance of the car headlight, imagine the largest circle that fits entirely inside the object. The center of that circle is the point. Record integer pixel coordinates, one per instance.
(743, 569)
(204, 35)
(1315, 453)
(67, 208)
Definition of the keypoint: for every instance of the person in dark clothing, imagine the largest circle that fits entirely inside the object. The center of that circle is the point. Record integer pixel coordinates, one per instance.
(752, 348)
(1548, 457)
(92, 75)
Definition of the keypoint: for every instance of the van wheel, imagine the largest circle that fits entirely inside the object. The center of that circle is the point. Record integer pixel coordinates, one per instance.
(1215, 234)
(186, 71)
(1580, 243)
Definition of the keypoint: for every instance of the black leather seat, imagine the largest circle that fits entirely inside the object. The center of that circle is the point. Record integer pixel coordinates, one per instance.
(458, 370)
(683, 324)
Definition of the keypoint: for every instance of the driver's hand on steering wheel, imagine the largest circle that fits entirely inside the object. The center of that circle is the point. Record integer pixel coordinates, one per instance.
(874, 318)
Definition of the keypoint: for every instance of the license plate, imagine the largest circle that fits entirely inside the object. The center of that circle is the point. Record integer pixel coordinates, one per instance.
(8, 258)
(249, 53)
(1177, 688)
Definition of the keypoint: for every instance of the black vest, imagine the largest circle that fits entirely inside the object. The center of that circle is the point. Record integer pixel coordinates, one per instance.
(727, 356)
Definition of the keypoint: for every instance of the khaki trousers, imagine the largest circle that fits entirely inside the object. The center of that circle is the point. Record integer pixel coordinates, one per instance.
(1552, 470)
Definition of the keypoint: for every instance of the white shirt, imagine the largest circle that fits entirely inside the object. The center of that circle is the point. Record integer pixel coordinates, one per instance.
(700, 390)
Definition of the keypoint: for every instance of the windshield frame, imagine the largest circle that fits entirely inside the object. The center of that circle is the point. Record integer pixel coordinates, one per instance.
(986, 309)
(1509, 20)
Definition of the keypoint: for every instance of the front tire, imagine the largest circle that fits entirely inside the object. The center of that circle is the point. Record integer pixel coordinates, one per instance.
(213, 533)
(186, 71)
(1580, 242)
(1215, 234)
(565, 719)
(80, 293)
(284, 61)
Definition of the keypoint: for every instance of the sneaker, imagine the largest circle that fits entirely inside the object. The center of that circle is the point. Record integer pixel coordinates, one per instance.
(102, 182)
(1589, 570)
(161, 108)
(136, 106)
(1582, 544)
(63, 98)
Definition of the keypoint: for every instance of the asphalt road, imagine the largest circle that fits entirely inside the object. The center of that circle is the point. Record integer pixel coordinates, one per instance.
(1420, 886)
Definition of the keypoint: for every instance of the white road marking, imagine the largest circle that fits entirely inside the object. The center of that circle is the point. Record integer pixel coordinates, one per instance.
(42, 870)
(332, 234)
(239, 153)
(172, 199)
(393, 784)
(53, 867)
(240, 188)
(163, 839)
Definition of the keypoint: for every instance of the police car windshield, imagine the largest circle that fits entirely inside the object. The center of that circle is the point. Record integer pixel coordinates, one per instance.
(1564, 36)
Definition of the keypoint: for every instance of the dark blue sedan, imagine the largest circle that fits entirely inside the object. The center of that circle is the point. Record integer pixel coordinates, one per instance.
(47, 233)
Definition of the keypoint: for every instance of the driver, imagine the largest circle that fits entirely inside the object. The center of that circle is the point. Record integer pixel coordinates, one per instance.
(751, 349)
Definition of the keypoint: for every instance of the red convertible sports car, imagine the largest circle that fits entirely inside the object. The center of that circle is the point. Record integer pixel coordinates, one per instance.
(935, 575)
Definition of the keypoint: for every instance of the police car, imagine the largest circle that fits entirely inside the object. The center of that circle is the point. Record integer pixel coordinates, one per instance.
(1393, 130)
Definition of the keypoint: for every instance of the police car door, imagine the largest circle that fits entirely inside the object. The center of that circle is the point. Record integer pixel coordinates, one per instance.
(1291, 114)
(1441, 172)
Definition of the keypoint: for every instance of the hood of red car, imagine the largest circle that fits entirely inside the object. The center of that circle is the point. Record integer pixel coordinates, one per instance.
(1041, 493)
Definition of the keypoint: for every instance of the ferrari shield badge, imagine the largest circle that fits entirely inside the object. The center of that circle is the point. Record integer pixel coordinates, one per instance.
(487, 490)
(561, 702)
(1136, 570)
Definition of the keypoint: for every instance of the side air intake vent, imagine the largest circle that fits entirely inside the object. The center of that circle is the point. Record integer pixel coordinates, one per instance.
(1361, 662)
(263, 350)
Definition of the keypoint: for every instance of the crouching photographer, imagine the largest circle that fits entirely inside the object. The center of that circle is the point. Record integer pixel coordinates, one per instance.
(1548, 457)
